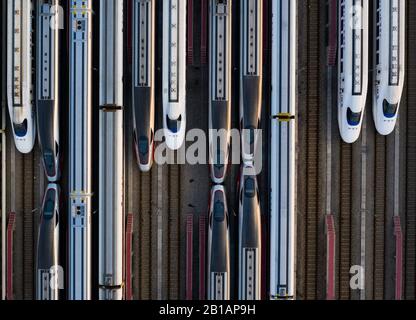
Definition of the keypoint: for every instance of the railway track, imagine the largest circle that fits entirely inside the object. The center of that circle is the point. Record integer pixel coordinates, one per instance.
(174, 231)
(309, 114)
(379, 217)
(410, 205)
(159, 199)
(362, 188)
(28, 227)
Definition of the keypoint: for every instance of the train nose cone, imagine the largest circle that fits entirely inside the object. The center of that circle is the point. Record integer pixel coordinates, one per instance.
(249, 137)
(218, 175)
(385, 121)
(49, 161)
(143, 148)
(350, 125)
(219, 167)
(174, 132)
(23, 137)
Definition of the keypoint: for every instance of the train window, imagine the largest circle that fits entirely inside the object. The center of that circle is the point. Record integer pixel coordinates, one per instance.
(353, 118)
(49, 209)
(219, 210)
(390, 110)
(143, 145)
(250, 188)
(174, 125)
(20, 129)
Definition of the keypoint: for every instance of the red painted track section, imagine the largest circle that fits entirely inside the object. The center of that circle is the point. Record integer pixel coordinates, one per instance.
(189, 254)
(10, 231)
(129, 246)
(190, 32)
(333, 32)
(330, 255)
(399, 257)
(264, 249)
(202, 255)
(204, 33)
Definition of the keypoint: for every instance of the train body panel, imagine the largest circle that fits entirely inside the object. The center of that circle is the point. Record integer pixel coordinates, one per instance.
(111, 163)
(283, 150)
(174, 72)
(218, 279)
(352, 67)
(249, 237)
(251, 73)
(19, 73)
(47, 261)
(220, 88)
(389, 63)
(80, 171)
(47, 87)
(144, 81)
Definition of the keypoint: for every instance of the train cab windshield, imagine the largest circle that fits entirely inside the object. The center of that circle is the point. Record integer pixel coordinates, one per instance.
(20, 129)
(353, 118)
(390, 110)
(249, 188)
(174, 125)
(219, 210)
(49, 209)
(49, 159)
(143, 145)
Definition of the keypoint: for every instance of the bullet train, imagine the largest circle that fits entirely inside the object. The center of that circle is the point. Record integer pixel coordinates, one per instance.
(283, 150)
(47, 86)
(48, 275)
(111, 215)
(249, 244)
(19, 73)
(352, 67)
(218, 246)
(220, 88)
(251, 73)
(389, 63)
(144, 81)
(80, 116)
(174, 72)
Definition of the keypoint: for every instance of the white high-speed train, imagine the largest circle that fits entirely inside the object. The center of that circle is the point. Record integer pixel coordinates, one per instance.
(251, 75)
(352, 67)
(389, 62)
(143, 35)
(111, 163)
(49, 278)
(220, 91)
(249, 235)
(283, 150)
(80, 122)
(19, 73)
(218, 272)
(47, 86)
(174, 72)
